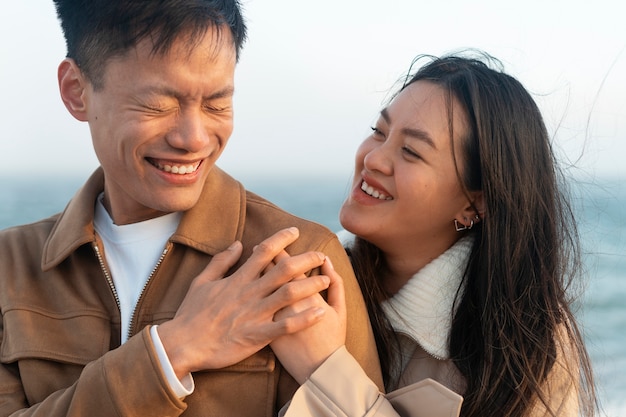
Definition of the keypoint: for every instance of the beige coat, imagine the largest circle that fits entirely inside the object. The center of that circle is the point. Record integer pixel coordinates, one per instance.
(60, 332)
(430, 385)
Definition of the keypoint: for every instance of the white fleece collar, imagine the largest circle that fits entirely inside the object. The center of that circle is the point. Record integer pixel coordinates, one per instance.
(424, 306)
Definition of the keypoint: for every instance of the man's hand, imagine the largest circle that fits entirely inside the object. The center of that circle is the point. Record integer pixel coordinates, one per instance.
(301, 353)
(223, 321)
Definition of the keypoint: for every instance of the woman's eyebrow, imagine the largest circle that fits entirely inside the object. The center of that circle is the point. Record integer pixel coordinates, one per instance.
(411, 132)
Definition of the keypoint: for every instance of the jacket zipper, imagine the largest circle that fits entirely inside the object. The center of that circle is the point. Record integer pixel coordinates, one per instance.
(143, 289)
(109, 279)
(107, 275)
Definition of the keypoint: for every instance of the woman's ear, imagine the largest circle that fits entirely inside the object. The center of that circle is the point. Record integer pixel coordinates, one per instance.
(72, 86)
(478, 204)
(468, 216)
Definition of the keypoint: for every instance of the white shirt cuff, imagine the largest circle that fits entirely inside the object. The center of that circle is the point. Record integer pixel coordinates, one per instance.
(182, 387)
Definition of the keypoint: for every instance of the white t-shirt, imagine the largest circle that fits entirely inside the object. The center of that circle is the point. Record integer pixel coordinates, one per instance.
(132, 251)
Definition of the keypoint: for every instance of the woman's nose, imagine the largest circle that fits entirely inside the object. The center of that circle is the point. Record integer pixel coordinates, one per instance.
(379, 158)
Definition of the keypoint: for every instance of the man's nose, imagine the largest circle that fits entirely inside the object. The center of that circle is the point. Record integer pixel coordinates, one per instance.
(190, 133)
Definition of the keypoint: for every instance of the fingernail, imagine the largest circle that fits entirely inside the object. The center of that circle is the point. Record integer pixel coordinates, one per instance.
(327, 261)
(294, 230)
(233, 245)
(319, 312)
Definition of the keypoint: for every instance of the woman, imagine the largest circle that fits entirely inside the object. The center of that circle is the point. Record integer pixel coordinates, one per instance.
(465, 249)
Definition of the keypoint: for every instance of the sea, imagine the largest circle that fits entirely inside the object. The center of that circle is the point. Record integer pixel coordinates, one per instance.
(598, 206)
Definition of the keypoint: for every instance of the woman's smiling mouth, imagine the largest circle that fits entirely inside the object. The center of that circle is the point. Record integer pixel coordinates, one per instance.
(372, 192)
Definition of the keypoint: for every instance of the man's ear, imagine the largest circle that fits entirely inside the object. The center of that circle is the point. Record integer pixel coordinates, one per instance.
(72, 86)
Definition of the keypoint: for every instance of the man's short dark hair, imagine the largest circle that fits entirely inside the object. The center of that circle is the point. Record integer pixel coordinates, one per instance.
(97, 30)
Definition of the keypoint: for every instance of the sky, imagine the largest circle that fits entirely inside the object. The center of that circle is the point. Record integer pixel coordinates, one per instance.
(313, 76)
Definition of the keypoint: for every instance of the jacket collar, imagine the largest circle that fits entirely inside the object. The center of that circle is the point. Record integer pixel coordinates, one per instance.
(210, 226)
(424, 306)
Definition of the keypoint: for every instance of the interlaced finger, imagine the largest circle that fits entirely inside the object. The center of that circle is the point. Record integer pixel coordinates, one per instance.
(264, 253)
(222, 262)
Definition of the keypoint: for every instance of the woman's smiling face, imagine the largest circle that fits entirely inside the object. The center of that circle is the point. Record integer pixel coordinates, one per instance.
(406, 192)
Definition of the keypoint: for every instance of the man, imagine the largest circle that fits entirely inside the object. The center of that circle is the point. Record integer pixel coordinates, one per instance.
(109, 308)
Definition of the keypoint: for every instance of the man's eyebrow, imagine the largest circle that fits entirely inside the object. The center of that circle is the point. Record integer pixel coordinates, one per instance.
(227, 91)
(414, 133)
(167, 91)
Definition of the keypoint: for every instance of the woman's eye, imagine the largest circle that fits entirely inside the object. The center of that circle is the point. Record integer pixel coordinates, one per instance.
(376, 132)
(410, 152)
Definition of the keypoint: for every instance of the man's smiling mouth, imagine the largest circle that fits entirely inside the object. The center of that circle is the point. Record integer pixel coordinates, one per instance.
(173, 168)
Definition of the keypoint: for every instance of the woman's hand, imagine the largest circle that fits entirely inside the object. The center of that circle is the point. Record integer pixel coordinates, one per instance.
(301, 353)
(223, 320)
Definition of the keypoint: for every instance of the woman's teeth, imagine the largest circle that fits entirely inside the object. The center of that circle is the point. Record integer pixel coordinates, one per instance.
(369, 190)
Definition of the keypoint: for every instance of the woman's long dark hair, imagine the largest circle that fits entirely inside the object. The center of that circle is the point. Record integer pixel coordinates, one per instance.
(516, 306)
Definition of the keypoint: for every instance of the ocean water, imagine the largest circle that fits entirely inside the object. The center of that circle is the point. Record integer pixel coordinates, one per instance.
(598, 205)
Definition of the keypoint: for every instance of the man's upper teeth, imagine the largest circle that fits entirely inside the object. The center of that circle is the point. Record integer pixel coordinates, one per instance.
(369, 190)
(178, 169)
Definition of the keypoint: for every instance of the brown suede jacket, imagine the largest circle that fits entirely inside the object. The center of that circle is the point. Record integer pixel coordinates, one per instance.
(60, 336)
